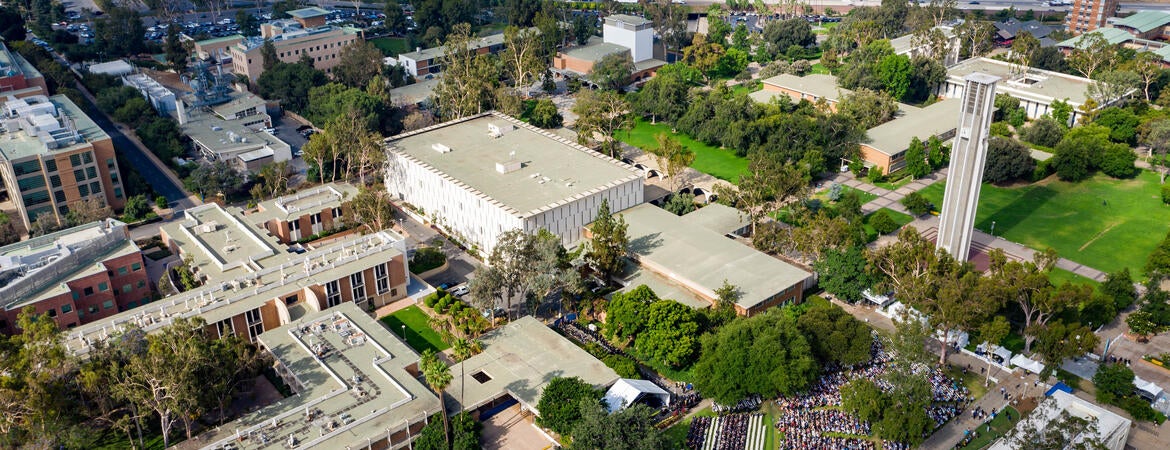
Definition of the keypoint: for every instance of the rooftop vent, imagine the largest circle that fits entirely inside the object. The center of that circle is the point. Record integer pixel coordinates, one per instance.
(441, 148)
(496, 130)
(508, 166)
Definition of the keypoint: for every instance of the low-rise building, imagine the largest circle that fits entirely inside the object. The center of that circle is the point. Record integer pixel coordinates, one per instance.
(1118, 36)
(621, 33)
(306, 33)
(480, 176)
(1007, 31)
(1111, 429)
(74, 276)
(234, 132)
(18, 78)
(699, 259)
(416, 94)
(886, 145)
(1036, 89)
(812, 87)
(429, 61)
(52, 156)
(306, 213)
(161, 98)
(357, 385)
(1145, 24)
(217, 50)
(910, 46)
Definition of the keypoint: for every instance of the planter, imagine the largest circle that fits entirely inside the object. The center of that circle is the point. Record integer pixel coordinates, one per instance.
(433, 272)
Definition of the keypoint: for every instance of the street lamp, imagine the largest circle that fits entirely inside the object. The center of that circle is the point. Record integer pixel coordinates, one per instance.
(404, 332)
(992, 228)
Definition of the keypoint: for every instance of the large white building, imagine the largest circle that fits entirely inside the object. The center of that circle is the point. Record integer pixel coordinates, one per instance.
(481, 176)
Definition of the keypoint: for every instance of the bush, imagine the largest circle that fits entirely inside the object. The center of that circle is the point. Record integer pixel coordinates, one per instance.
(431, 300)
(875, 175)
(545, 115)
(161, 202)
(426, 258)
(882, 223)
(1043, 170)
(1000, 129)
(1045, 132)
(917, 204)
(1166, 194)
(1117, 161)
(1007, 160)
(443, 304)
(624, 366)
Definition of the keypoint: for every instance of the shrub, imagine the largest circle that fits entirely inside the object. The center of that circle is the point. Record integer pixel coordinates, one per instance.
(917, 204)
(1045, 132)
(875, 175)
(624, 366)
(426, 258)
(443, 304)
(1043, 170)
(882, 223)
(1000, 129)
(1117, 161)
(431, 300)
(1166, 194)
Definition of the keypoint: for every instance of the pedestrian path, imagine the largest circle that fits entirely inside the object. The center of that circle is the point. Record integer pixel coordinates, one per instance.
(885, 197)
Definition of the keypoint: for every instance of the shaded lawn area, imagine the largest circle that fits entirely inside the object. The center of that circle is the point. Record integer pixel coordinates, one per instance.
(899, 218)
(1101, 222)
(894, 184)
(685, 375)
(865, 197)
(820, 69)
(719, 163)
(419, 335)
(999, 426)
(391, 46)
(1060, 276)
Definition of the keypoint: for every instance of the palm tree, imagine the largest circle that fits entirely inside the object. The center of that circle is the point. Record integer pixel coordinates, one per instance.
(438, 377)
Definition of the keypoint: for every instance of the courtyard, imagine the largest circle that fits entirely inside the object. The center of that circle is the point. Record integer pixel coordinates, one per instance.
(720, 163)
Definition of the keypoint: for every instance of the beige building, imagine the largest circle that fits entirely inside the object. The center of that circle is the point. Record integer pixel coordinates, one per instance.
(305, 33)
(53, 156)
(1089, 15)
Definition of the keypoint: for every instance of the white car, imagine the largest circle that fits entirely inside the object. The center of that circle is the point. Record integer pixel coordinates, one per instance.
(460, 291)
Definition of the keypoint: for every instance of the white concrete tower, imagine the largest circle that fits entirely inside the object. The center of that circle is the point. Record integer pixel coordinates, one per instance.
(632, 32)
(956, 223)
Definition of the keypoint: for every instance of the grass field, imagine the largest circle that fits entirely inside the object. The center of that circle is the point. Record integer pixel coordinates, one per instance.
(821, 69)
(391, 46)
(747, 88)
(999, 426)
(865, 197)
(1101, 222)
(717, 162)
(899, 218)
(1059, 276)
(894, 184)
(419, 335)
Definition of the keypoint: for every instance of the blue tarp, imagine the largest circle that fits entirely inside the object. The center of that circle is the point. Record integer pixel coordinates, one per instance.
(1060, 386)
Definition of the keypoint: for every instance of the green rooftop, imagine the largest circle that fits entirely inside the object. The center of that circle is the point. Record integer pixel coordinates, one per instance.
(1145, 21)
(212, 41)
(1112, 36)
(894, 136)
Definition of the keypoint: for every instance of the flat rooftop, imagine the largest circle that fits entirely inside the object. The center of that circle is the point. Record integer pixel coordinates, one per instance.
(352, 376)
(307, 13)
(1039, 85)
(20, 144)
(219, 242)
(818, 85)
(330, 195)
(718, 218)
(595, 51)
(906, 43)
(552, 169)
(519, 359)
(37, 268)
(239, 104)
(415, 93)
(228, 136)
(626, 18)
(439, 52)
(10, 60)
(701, 259)
(894, 136)
(662, 286)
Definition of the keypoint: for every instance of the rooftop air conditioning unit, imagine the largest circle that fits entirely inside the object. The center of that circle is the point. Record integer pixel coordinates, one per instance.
(441, 148)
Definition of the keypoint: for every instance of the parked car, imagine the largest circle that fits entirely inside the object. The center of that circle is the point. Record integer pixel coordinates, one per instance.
(460, 290)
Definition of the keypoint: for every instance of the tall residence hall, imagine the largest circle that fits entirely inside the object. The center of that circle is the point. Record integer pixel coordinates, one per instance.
(305, 33)
(18, 78)
(75, 276)
(480, 176)
(252, 283)
(53, 156)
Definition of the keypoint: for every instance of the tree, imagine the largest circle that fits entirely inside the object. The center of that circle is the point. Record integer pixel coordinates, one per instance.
(599, 116)
(842, 273)
(1121, 122)
(727, 295)
(1118, 161)
(1075, 154)
(1092, 53)
(1119, 287)
(268, 54)
(625, 313)
(1058, 341)
(895, 73)
(1156, 134)
(560, 403)
(469, 79)
(976, 36)
(1007, 160)
(438, 377)
(610, 244)
(782, 34)
(1148, 67)
(765, 355)
(1024, 48)
(33, 386)
(670, 334)
(882, 223)
(868, 107)
(1045, 131)
(1113, 85)
(12, 29)
(1049, 58)
(1026, 283)
(836, 336)
(992, 333)
(136, 208)
(89, 210)
(545, 115)
(8, 230)
(120, 33)
(395, 18)
(613, 71)
(290, 84)
(768, 185)
(631, 428)
(524, 266)
(664, 96)
(214, 178)
(916, 163)
(680, 204)
(521, 56)
(358, 63)
(177, 54)
(672, 158)
(1064, 431)
(249, 25)
(703, 56)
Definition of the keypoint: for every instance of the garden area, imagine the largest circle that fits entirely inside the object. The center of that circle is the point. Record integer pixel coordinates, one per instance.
(391, 46)
(419, 334)
(1000, 425)
(1086, 222)
(719, 163)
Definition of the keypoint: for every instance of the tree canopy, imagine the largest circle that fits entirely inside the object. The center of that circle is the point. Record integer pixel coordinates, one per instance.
(766, 355)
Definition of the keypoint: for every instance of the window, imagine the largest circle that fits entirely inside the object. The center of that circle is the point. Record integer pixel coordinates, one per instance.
(336, 212)
(481, 377)
(89, 290)
(90, 172)
(122, 270)
(83, 190)
(52, 312)
(55, 180)
(315, 219)
(332, 294)
(51, 165)
(225, 327)
(102, 287)
(107, 304)
(79, 175)
(382, 278)
(87, 157)
(291, 300)
(255, 323)
(117, 192)
(75, 160)
(66, 309)
(35, 198)
(31, 183)
(59, 196)
(136, 267)
(96, 187)
(126, 288)
(110, 163)
(357, 283)
(93, 309)
(141, 284)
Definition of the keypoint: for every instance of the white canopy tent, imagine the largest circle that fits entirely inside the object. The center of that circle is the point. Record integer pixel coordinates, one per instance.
(1027, 363)
(627, 391)
(1147, 389)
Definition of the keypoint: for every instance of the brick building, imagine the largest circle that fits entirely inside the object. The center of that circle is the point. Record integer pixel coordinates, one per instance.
(1089, 15)
(74, 276)
(306, 213)
(18, 78)
(305, 33)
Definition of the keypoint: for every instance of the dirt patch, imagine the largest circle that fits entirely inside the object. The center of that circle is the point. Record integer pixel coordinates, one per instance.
(1098, 236)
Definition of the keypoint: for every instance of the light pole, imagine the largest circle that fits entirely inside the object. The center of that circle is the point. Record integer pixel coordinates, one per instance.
(403, 332)
(992, 228)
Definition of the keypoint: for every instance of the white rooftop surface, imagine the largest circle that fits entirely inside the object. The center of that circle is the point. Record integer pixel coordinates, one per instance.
(360, 379)
(115, 67)
(626, 391)
(415, 93)
(36, 268)
(553, 169)
(329, 195)
(521, 358)
(1040, 85)
(220, 242)
(719, 218)
(1110, 426)
(702, 259)
(663, 287)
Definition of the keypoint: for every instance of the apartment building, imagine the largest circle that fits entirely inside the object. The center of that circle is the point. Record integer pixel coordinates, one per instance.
(429, 61)
(305, 213)
(305, 33)
(1089, 15)
(74, 277)
(53, 156)
(18, 78)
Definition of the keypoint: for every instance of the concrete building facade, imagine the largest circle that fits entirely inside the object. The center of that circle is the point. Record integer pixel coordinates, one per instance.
(956, 223)
(1089, 15)
(483, 175)
(53, 156)
(305, 33)
(74, 276)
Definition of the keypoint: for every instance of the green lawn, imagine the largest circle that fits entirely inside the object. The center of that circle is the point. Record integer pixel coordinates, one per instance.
(747, 88)
(973, 380)
(419, 335)
(999, 426)
(1101, 222)
(899, 218)
(1059, 276)
(865, 197)
(717, 162)
(391, 46)
(820, 69)
(894, 184)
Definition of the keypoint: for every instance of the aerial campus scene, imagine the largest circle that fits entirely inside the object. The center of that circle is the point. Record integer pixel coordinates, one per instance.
(630, 224)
